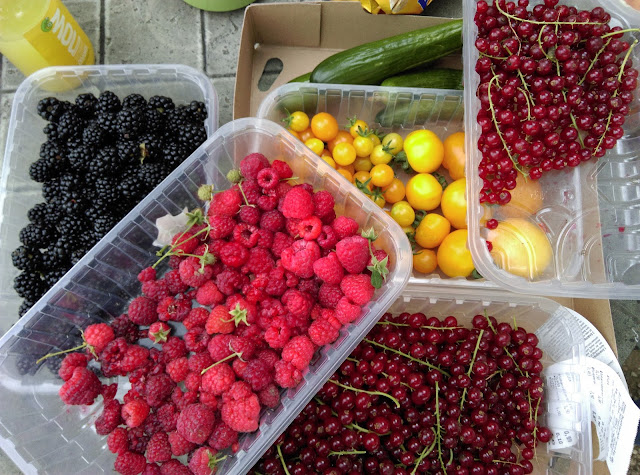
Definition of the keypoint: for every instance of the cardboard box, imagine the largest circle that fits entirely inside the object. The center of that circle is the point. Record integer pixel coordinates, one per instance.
(303, 34)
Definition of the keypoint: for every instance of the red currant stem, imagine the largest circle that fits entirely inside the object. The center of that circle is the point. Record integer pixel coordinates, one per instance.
(84, 345)
(171, 250)
(504, 461)
(500, 372)
(624, 61)
(355, 426)
(614, 33)
(540, 42)
(353, 359)
(499, 58)
(372, 393)
(473, 360)
(352, 452)
(530, 406)
(536, 22)
(425, 452)
(593, 61)
(535, 430)
(515, 324)
(439, 428)
(526, 87)
(424, 327)
(489, 322)
(232, 355)
(529, 100)
(409, 357)
(514, 361)
(281, 457)
(573, 121)
(401, 384)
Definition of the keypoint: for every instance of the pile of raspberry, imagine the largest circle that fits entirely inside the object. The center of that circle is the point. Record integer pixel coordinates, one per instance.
(256, 285)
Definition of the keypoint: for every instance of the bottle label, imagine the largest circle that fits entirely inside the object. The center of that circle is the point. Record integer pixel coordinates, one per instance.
(59, 38)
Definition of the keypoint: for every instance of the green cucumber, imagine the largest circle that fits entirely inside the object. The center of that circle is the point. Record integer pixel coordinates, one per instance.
(422, 111)
(428, 78)
(302, 78)
(371, 63)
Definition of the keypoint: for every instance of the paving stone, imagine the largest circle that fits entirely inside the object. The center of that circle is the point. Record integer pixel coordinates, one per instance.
(152, 32)
(222, 41)
(87, 14)
(224, 88)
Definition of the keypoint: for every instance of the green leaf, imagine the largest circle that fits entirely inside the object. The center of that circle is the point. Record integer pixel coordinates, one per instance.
(370, 234)
(376, 280)
(195, 217)
(476, 275)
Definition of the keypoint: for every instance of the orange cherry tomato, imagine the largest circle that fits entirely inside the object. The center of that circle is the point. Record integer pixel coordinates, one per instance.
(342, 136)
(324, 126)
(306, 134)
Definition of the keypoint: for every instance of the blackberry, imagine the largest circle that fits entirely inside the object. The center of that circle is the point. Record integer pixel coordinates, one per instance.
(161, 103)
(40, 170)
(53, 276)
(107, 122)
(87, 104)
(74, 203)
(65, 245)
(53, 364)
(37, 236)
(103, 224)
(77, 254)
(93, 135)
(108, 102)
(74, 142)
(51, 150)
(24, 307)
(198, 111)
(191, 136)
(128, 151)
(174, 154)
(176, 119)
(51, 108)
(29, 286)
(151, 174)
(26, 364)
(70, 125)
(106, 190)
(38, 214)
(26, 258)
(80, 157)
(72, 225)
(51, 191)
(107, 162)
(70, 182)
(129, 123)
(51, 260)
(154, 121)
(150, 148)
(51, 131)
(134, 101)
(130, 186)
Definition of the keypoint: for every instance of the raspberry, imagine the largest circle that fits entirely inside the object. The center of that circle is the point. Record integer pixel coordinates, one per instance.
(298, 352)
(246, 235)
(155, 289)
(109, 391)
(328, 219)
(268, 356)
(178, 369)
(282, 189)
(193, 380)
(197, 316)
(117, 441)
(174, 261)
(298, 303)
(240, 408)
(353, 253)
(258, 374)
(195, 423)
(299, 258)
(251, 190)
(282, 168)
(174, 348)
(270, 396)
(134, 357)
(180, 445)
(142, 311)
(292, 279)
(241, 310)
(357, 288)
(167, 416)
(70, 363)
(152, 425)
(233, 254)
(297, 203)
(208, 399)
(346, 312)
(310, 286)
(323, 203)
(287, 375)
(281, 241)
(328, 238)
(193, 273)
(222, 436)
(123, 327)
(218, 347)
(196, 340)
(379, 254)
(135, 412)
(252, 164)
(277, 284)
(184, 243)
(152, 469)
(204, 462)
(128, 463)
(82, 388)
(244, 346)
(329, 269)
(111, 357)
(249, 215)
(322, 332)
(260, 261)
(174, 282)
(158, 388)
(219, 321)
(137, 440)
(228, 281)
(174, 467)
(239, 366)
(147, 274)
(310, 228)
(218, 379)
(221, 226)
(226, 202)
(110, 417)
(272, 221)
(158, 448)
(267, 203)
(278, 334)
(173, 308)
(291, 226)
(345, 227)
(158, 332)
(199, 361)
(268, 178)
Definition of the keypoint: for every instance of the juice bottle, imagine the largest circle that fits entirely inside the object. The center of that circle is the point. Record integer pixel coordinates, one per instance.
(38, 33)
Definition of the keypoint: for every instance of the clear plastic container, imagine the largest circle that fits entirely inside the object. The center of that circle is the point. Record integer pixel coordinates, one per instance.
(18, 193)
(590, 214)
(43, 435)
(560, 339)
(386, 109)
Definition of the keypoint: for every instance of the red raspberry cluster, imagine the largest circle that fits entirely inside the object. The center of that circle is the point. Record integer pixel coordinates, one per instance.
(262, 280)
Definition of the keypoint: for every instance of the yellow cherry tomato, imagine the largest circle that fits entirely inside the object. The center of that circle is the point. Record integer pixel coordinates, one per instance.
(306, 134)
(526, 198)
(425, 261)
(424, 151)
(357, 127)
(393, 142)
(520, 247)
(380, 155)
(324, 126)
(381, 175)
(326, 153)
(297, 121)
(424, 192)
(344, 154)
(349, 168)
(432, 230)
(329, 160)
(342, 136)
(454, 203)
(408, 230)
(363, 146)
(316, 145)
(402, 213)
(362, 177)
(454, 258)
(294, 133)
(394, 192)
(345, 173)
(454, 158)
(378, 199)
(375, 139)
(362, 164)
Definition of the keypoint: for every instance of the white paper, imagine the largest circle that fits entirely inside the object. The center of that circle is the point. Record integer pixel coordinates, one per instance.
(168, 225)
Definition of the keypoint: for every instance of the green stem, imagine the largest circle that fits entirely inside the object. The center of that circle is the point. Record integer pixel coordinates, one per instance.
(353, 452)
(473, 360)
(84, 345)
(232, 355)
(423, 327)
(593, 62)
(355, 426)
(409, 357)
(537, 22)
(423, 455)
(244, 196)
(179, 243)
(438, 427)
(373, 393)
(516, 165)
(613, 33)
(281, 457)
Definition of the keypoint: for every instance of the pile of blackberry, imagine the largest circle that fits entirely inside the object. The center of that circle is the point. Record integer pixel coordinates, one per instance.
(101, 157)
